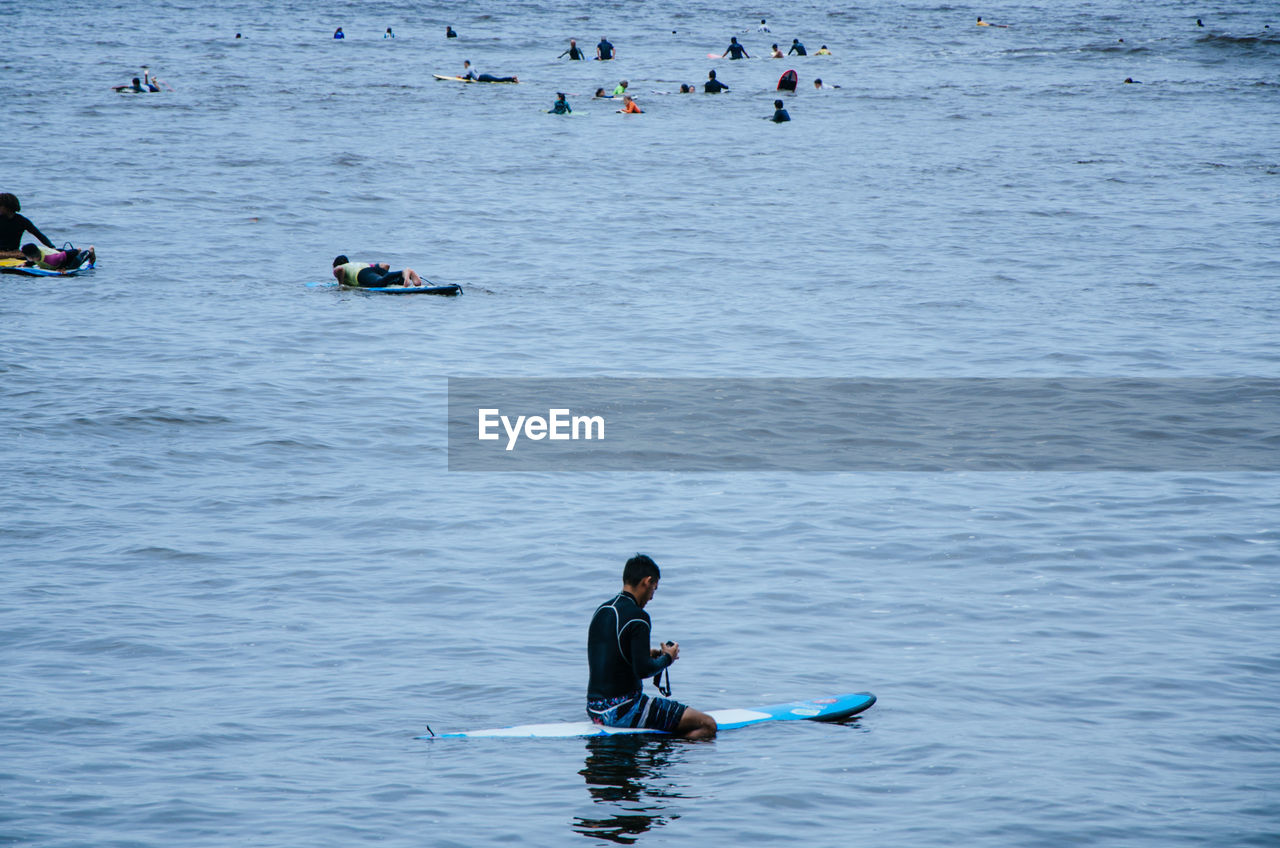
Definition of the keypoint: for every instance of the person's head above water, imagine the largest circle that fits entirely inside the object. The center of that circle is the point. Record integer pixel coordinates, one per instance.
(640, 577)
(340, 260)
(817, 83)
(9, 203)
(711, 74)
(777, 104)
(733, 39)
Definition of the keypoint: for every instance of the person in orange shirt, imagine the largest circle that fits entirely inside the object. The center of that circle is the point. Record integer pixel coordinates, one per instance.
(629, 106)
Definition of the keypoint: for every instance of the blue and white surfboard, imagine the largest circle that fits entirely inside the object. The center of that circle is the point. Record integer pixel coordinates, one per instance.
(833, 708)
(448, 291)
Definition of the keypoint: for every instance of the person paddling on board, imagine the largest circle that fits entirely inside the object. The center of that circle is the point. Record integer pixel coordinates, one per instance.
(738, 51)
(13, 225)
(372, 275)
(49, 259)
(574, 52)
(620, 658)
(797, 48)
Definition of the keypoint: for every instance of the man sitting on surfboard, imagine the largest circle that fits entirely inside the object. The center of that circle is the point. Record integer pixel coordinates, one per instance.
(620, 657)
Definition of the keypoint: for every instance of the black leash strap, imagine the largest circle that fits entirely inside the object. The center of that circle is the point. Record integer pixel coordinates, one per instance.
(658, 678)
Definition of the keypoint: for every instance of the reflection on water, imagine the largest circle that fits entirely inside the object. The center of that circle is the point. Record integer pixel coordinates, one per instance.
(626, 775)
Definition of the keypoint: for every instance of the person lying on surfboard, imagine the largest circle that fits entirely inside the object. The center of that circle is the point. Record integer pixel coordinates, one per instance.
(620, 658)
(49, 259)
(372, 275)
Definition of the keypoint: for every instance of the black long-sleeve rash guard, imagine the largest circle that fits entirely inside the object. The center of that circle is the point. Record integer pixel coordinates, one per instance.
(618, 648)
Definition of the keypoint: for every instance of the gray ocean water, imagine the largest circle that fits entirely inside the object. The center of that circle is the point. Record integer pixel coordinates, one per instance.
(238, 578)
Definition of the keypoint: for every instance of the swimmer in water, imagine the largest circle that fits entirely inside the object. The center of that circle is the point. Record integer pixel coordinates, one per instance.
(821, 86)
(823, 51)
(573, 52)
(449, 33)
(763, 26)
(738, 51)
(388, 33)
(981, 22)
(776, 54)
(685, 88)
(713, 85)
(338, 33)
(779, 114)
(600, 93)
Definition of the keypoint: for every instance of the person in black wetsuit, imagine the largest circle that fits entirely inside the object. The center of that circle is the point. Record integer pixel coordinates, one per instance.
(713, 85)
(620, 658)
(574, 52)
(780, 115)
(797, 48)
(604, 50)
(13, 225)
(738, 51)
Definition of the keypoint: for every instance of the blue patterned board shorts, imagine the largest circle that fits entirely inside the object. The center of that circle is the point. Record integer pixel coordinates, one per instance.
(636, 709)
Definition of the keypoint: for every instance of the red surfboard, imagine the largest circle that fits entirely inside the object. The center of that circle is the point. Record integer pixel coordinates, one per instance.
(788, 81)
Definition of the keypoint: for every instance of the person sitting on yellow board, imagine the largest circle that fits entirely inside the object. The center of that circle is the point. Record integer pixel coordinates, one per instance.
(629, 106)
(13, 226)
(823, 51)
(372, 275)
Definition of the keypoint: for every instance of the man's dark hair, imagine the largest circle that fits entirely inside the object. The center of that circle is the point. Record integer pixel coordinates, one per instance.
(638, 568)
(8, 201)
(340, 260)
